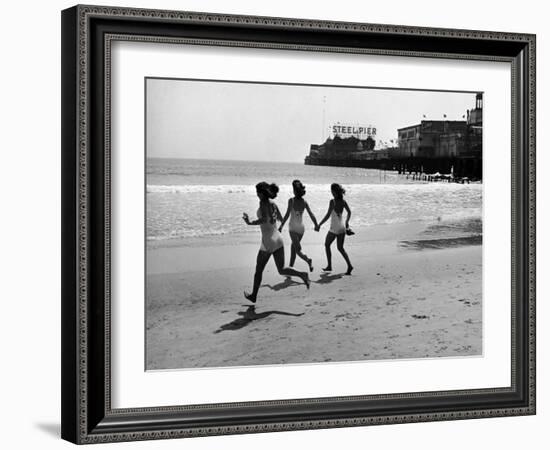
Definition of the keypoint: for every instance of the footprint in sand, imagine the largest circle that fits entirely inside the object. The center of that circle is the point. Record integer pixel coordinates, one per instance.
(421, 298)
(420, 316)
(392, 301)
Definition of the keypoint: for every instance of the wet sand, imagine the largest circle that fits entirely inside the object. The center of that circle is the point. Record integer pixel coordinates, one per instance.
(415, 292)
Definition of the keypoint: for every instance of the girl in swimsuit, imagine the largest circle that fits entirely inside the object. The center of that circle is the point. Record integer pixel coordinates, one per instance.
(296, 229)
(338, 228)
(272, 241)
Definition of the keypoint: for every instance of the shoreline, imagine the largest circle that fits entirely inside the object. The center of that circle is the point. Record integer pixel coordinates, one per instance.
(375, 232)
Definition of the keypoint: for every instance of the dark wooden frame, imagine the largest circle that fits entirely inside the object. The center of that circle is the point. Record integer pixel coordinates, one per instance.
(87, 31)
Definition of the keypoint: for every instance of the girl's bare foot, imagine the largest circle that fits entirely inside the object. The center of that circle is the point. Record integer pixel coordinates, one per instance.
(328, 269)
(250, 297)
(307, 281)
(350, 268)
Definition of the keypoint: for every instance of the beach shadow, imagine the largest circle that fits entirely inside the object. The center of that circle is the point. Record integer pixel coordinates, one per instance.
(282, 285)
(249, 316)
(434, 244)
(326, 278)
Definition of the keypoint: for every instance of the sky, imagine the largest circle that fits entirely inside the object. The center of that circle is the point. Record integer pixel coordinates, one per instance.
(274, 122)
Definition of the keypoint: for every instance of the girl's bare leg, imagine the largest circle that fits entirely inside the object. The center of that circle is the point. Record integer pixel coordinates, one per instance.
(292, 252)
(340, 245)
(261, 261)
(328, 242)
(279, 257)
(296, 249)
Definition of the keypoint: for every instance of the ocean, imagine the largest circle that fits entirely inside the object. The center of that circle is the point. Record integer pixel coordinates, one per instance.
(201, 198)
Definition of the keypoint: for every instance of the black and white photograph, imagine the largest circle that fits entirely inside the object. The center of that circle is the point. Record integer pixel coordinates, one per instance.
(300, 224)
(280, 220)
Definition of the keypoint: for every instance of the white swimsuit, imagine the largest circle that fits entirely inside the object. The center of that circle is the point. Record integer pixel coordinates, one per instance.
(337, 225)
(271, 238)
(296, 224)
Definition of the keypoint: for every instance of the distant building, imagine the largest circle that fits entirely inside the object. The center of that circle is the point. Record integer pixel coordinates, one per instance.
(383, 153)
(443, 138)
(445, 146)
(475, 116)
(343, 148)
(431, 139)
(474, 136)
(451, 145)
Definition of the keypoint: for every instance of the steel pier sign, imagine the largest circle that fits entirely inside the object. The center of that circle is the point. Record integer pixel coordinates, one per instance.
(359, 131)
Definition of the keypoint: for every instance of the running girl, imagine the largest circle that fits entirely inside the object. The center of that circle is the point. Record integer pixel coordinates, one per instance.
(338, 228)
(295, 210)
(272, 241)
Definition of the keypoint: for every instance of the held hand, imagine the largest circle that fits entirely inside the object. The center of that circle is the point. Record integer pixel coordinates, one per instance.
(280, 229)
(317, 228)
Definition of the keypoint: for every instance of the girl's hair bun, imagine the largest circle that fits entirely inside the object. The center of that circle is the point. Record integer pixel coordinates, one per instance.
(269, 190)
(274, 190)
(338, 190)
(299, 188)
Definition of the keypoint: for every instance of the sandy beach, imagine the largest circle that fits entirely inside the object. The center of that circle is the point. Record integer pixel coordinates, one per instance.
(415, 292)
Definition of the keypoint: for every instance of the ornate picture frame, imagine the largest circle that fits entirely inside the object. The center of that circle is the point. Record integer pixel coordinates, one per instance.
(88, 33)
